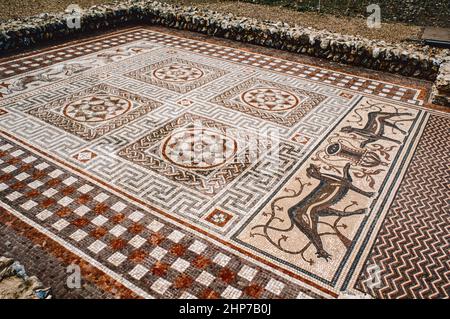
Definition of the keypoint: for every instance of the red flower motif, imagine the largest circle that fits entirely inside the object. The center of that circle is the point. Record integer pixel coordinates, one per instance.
(38, 174)
(80, 222)
(83, 199)
(53, 182)
(183, 281)
(178, 250)
(209, 294)
(63, 212)
(160, 269)
(156, 239)
(253, 291)
(201, 262)
(226, 275)
(138, 255)
(32, 193)
(68, 190)
(116, 219)
(99, 232)
(118, 244)
(100, 208)
(135, 228)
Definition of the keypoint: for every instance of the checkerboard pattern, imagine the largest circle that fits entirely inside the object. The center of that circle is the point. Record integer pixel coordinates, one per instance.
(164, 260)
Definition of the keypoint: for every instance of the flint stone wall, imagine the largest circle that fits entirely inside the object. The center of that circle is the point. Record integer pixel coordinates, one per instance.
(407, 60)
(441, 88)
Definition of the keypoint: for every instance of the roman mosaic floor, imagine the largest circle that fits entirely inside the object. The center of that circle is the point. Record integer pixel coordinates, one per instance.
(169, 167)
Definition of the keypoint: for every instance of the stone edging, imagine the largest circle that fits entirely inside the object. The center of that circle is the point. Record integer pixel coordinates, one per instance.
(407, 60)
(15, 283)
(441, 88)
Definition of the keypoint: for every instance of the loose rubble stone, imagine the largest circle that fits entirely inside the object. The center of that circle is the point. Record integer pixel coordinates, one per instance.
(408, 60)
(16, 284)
(441, 88)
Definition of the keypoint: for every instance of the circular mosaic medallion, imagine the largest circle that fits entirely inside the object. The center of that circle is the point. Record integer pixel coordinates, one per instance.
(97, 108)
(270, 99)
(198, 148)
(177, 72)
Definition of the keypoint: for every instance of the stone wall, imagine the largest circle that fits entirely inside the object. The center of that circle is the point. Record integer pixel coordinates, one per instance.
(441, 87)
(407, 60)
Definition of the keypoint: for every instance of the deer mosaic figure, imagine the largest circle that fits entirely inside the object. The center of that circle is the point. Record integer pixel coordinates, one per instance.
(331, 190)
(374, 129)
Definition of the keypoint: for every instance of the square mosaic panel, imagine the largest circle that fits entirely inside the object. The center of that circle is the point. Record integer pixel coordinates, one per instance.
(94, 112)
(197, 152)
(270, 101)
(177, 74)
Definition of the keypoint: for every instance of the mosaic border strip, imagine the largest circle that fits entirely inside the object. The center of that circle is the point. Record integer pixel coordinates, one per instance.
(316, 74)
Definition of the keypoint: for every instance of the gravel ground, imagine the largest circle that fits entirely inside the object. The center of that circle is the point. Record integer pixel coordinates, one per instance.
(393, 32)
(21, 8)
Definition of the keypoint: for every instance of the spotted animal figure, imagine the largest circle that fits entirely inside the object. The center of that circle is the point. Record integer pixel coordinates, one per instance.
(306, 214)
(374, 129)
(47, 76)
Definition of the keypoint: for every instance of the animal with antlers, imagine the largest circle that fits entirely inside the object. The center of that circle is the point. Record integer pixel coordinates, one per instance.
(330, 191)
(47, 76)
(306, 214)
(374, 129)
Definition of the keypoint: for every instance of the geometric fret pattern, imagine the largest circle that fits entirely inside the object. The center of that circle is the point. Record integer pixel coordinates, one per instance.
(95, 112)
(179, 168)
(248, 97)
(412, 248)
(177, 74)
